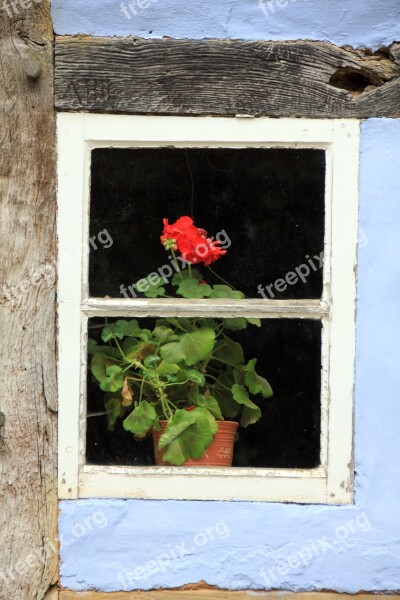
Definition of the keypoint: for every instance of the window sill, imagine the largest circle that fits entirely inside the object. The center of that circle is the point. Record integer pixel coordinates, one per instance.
(178, 483)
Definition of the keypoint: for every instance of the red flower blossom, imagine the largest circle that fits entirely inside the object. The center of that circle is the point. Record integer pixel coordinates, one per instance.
(183, 226)
(192, 242)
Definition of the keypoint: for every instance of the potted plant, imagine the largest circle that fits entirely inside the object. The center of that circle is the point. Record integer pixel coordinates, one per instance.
(184, 380)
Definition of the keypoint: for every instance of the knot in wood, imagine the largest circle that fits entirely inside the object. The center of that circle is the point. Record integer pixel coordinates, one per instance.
(31, 67)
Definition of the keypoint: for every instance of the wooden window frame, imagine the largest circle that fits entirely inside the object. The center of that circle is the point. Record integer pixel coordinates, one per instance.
(332, 481)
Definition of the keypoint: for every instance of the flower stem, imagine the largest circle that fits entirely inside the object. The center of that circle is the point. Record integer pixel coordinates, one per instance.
(176, 263)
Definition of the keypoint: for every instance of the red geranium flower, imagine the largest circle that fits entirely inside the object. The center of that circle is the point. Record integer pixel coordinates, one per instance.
(192, 242)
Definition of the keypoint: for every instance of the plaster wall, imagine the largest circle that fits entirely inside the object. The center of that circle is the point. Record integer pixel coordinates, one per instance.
(353, 22)
(128, 544)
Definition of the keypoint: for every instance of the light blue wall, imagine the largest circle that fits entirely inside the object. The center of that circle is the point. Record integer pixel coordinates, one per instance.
(354, 22)
(341, 548)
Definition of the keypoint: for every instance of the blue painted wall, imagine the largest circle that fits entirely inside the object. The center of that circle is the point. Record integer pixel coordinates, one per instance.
(127, 544)
(354, 22)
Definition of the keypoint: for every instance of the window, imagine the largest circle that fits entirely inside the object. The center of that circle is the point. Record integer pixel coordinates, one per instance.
(285, 193)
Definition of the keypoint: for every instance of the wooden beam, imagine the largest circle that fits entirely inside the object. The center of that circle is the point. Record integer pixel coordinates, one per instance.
(28, 493)
(225, 77)
(219, 595)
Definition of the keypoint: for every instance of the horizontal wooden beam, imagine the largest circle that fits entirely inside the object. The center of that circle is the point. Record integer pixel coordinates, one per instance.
(219, 595)
(225, 77)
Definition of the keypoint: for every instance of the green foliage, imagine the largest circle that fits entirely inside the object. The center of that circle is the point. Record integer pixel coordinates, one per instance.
(114, 410)
(210, 404)
(256, 322)
(155, 287)
(187, 436)
(190, 348)
(148, 375)
(229, 352)
(251, 412)
(255, 383)
(113, 379)
(186, 274)
(235, 324)
(195, 376)
(99, 366)
(141, 419)
(224, 291)
(222, 392)
(164, 334)
(192, 288)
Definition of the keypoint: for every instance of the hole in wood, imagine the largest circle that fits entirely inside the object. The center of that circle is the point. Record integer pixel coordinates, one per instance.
(353, 80)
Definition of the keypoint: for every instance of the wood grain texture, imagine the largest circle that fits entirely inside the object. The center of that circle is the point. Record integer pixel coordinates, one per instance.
(224, 77)
(219, 595)
(28, 496)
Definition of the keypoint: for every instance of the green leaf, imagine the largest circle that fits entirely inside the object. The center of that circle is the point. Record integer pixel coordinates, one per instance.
(141, 419)
(178, 323)
(190, 347)
(191, 288)
(250, 416)
(127, 328)
(111, 332)
(224, 291)
(91, 346)
(120, 329)
(209, 323)
(194, 274)
(151, 361)
(114, 410)
(235, 324)
(187, 436)
(241, 396)
(239, 373)
(227, 404)
(146, 335)
(229, 351)
(109, 351)
(113, 380)
(98, 366)
(155, 289)
(256, 322)
(164, 334)
(251, 412)
(144, 349)
(211, 419)
(255, 383)
(195, 376)
(167, 368)
(211, 404)
(130, 348)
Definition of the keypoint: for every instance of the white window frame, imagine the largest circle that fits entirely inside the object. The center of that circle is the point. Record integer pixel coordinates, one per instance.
(332, 481)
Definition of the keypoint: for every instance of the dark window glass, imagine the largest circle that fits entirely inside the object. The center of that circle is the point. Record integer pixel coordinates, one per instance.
(269, 202)
(287, 436)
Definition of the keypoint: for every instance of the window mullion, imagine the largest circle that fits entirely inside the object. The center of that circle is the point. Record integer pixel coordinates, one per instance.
(310, 309)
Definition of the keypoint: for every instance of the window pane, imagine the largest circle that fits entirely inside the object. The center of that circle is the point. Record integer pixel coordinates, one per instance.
(269, 204)
(288, 434)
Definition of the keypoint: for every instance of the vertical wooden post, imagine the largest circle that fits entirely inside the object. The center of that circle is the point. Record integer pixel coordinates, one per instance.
(28, 497)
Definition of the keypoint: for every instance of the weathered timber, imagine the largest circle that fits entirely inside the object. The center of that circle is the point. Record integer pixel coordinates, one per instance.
(218, 595)
(28, 496)
(224, 77)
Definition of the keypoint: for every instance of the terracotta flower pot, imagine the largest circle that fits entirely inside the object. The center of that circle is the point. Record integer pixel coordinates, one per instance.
(218, 454)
